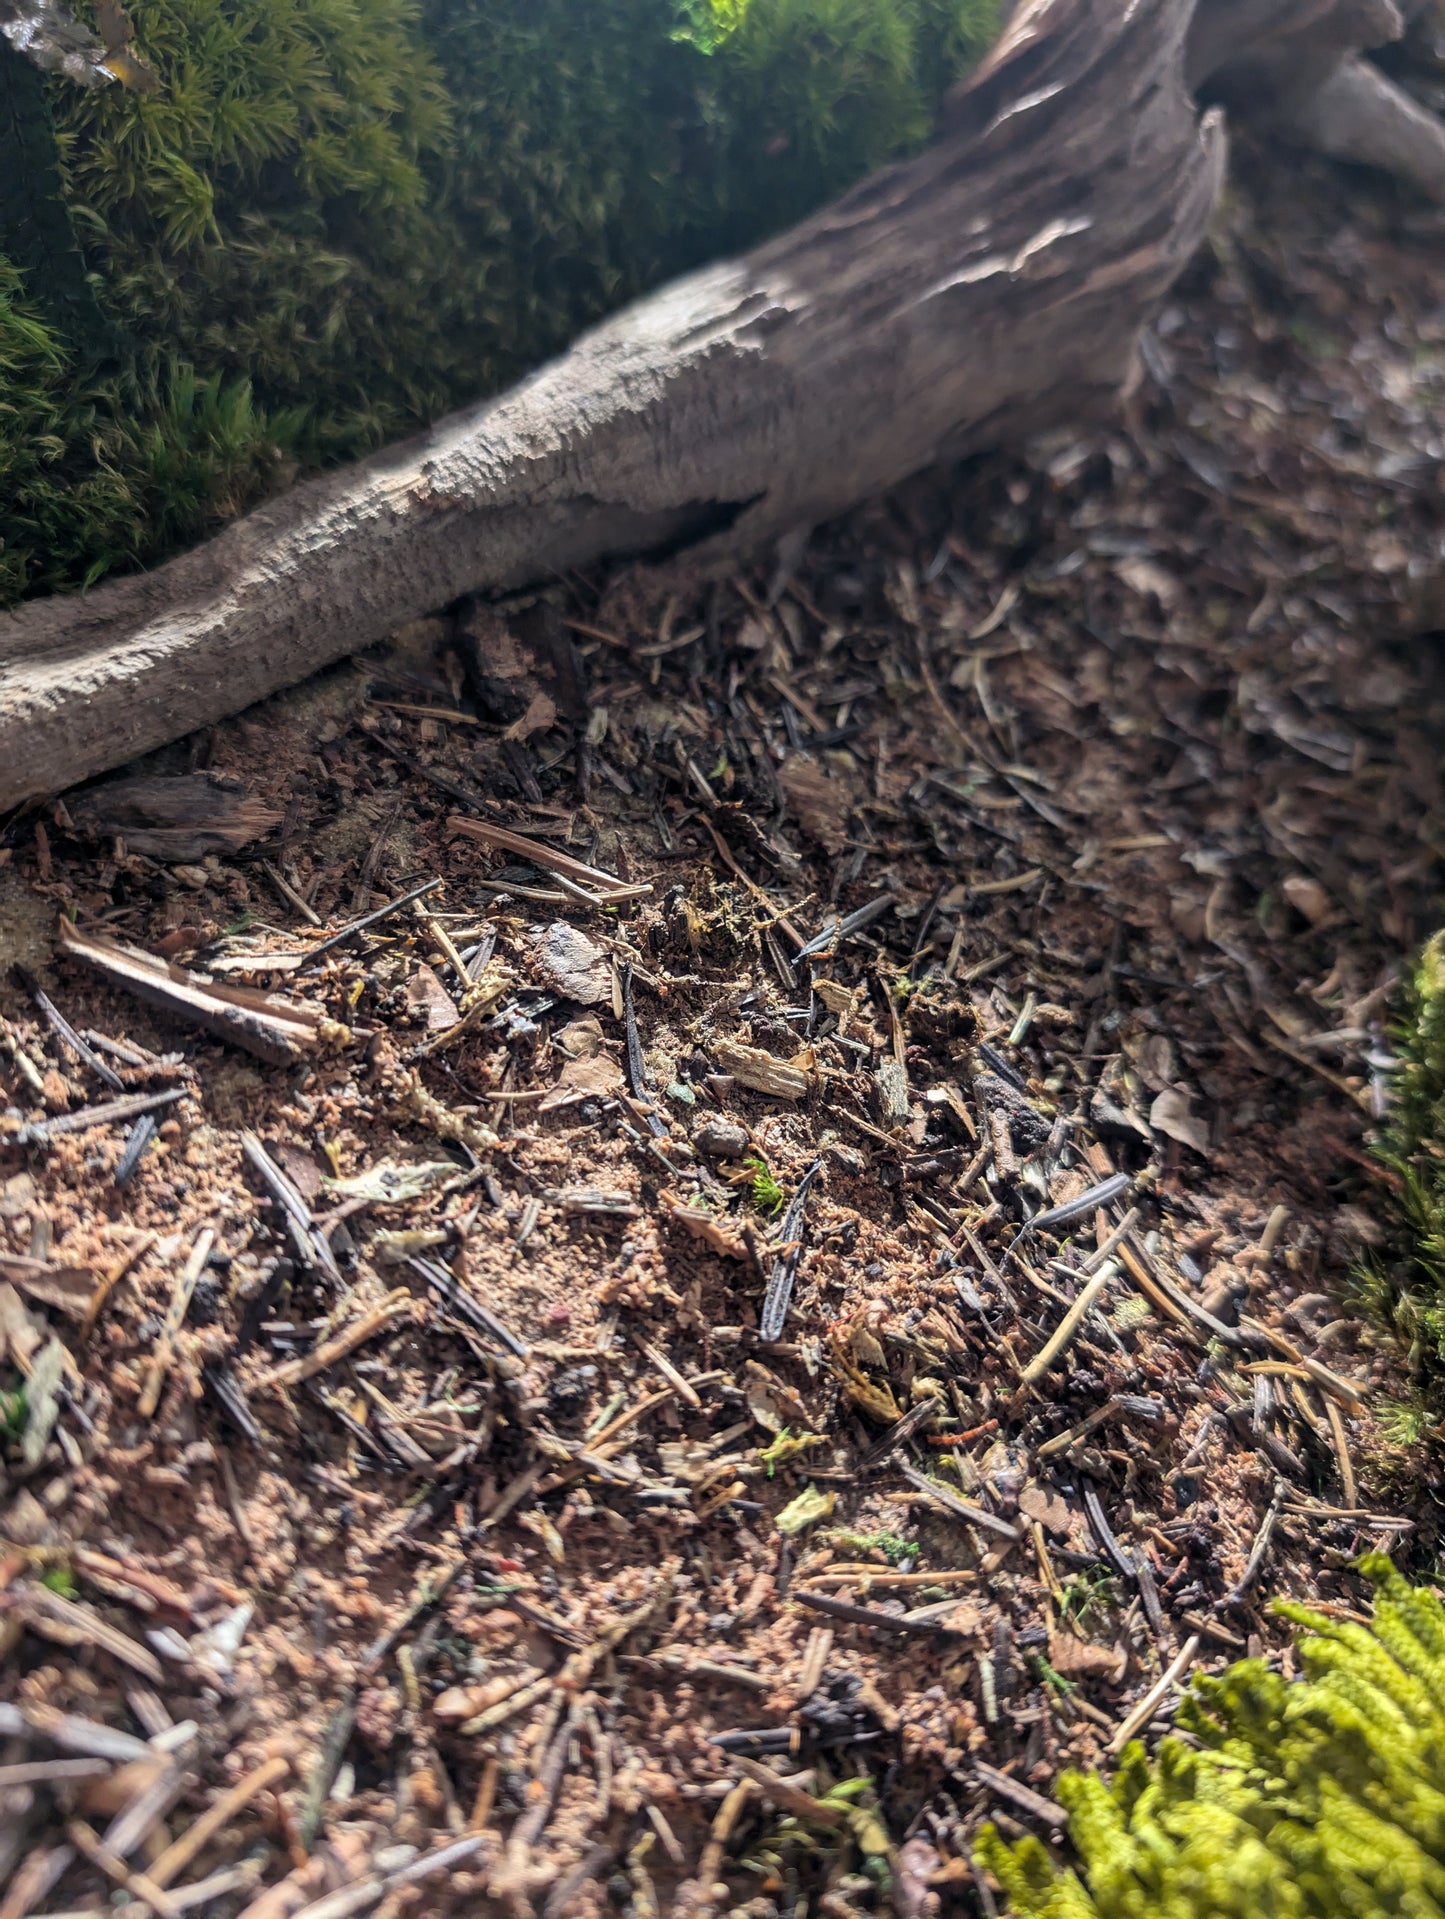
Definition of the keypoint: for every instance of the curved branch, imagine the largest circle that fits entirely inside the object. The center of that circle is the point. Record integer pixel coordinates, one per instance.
(988, 288)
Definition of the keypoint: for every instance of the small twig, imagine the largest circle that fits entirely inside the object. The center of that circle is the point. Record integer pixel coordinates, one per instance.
(870, 1615)
(373, 918)
(61, 1025)
(782, 1792)
(311, 1244)
(960, 1508)
(138, 1884)
(1024, 1797)
(45, 1130)
(785, 1267)
(670, 1373)
(377, 1319)
(1150, 1703)
(1084, 1207)
(1342, 1449)
(288, 893)
(544, 856)
(179, 1854)
(1259, 1549)
(1069, 1324)
(175, 1316)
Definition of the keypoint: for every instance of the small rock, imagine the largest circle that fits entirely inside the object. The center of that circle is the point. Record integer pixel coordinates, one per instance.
(721, 1139)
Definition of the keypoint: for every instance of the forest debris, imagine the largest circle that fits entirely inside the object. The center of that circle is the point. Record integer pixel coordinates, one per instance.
(1022, 1796)
(42, 1132)
(874, 1615)
(596, 1202)
(60, 1025)
(65, 1288)
(1141, 1714)
(1069, 1324)
(425, 992)
(949, 1501)
(70, 1622)
(354, 928)
(312, 1247)
(721, 1139)
(174, 818)
(393, 1182)
(1170, 1114)
(175, 1315)
(379, 1318)
(596, 1078)
(750, 1066)
(607, 884)
(277, 1030)
(138, 1884)
(785, 1265)
(573, 965)
(1084, 1207)
(42, 1400)
(704, 1226)
(1077, 1658)
(803, 1805)
(806, 1509)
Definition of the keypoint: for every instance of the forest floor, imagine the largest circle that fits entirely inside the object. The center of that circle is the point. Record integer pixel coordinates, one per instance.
(965, 960)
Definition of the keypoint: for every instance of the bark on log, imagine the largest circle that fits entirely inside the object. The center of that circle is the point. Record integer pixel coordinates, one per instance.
(988, 288)
(971, 297)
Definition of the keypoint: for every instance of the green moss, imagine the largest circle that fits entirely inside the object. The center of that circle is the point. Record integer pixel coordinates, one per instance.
(334, 219)
(1312, 1798)
(1405, 1292)
(767, 1195)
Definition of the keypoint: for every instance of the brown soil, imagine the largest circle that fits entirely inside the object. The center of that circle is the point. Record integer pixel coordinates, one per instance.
(1133, 755)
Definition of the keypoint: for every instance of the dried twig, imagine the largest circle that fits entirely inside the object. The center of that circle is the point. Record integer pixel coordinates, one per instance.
(1069, 1325)
(175, 1315)
(396, 1305)
(1141, 1714)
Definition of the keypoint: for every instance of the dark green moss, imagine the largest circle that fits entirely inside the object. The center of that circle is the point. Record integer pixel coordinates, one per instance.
(334, 219)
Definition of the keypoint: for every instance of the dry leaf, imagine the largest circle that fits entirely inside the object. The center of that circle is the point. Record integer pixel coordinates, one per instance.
(1072, 1657)
(540, 717)
(772, 1404)
(66, 1288)
(573, 965)
(425, 992)
(1050, 1509)
(819, 803)
(1170, 1115)
(597, 1078)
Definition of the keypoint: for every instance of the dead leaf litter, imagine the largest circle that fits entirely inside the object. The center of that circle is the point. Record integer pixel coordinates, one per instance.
(666, 1246)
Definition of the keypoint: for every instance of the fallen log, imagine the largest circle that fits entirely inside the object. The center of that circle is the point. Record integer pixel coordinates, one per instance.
(986, 290)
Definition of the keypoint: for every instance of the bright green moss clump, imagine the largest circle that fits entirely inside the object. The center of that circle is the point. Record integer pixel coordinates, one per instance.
(334, 219)
(1317, 1798)
(1406, 1291)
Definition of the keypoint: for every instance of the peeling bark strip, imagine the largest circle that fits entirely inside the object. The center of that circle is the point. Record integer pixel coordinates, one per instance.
(968, 298)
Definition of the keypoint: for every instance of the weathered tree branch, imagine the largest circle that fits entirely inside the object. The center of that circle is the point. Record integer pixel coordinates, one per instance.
(988, 288)
(991, 287)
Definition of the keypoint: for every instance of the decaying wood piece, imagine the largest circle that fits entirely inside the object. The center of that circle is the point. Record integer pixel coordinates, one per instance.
(986, 289)
(1294, 67)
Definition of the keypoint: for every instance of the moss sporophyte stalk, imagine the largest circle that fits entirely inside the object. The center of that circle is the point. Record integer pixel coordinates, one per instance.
(321, 223)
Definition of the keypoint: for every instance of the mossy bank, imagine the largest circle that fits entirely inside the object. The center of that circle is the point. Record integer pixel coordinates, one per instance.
(325, 222)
